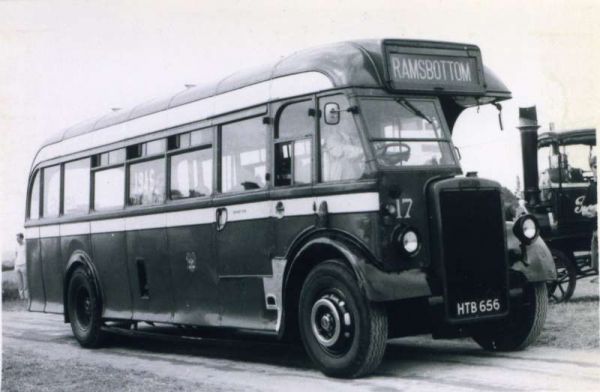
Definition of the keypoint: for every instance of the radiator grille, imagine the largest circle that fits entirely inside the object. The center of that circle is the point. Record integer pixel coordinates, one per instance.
(474, 255)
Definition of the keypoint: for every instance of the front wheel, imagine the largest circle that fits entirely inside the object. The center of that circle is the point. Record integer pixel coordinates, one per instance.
(521, 327)
(342, 331)
(84, 310)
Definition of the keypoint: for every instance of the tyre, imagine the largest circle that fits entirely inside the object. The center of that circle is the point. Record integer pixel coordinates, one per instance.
(84, 309)
(561, 289)
(342, 331)
(522, 326)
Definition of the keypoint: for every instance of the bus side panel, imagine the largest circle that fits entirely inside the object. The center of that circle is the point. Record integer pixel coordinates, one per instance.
(194, 265)
(246, 308)
(245, 249)
(362, 225)
(110, 260)
(35, 276)
(288, 228)
(150, 275)
(53, 273)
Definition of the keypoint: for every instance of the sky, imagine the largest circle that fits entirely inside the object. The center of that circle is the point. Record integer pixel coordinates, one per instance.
(62, 62)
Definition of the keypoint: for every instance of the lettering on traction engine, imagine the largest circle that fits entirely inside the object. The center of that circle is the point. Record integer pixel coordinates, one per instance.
(431, 70)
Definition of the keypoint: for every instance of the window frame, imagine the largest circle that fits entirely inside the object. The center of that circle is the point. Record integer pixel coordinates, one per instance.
(276, 140)
(37, 175)
(446, 132)
(218, 140)
(176, 152)
(60, 190)
(93, 188)
(62, 187)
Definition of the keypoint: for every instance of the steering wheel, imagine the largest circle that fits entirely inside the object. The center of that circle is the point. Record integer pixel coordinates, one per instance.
(395, 157)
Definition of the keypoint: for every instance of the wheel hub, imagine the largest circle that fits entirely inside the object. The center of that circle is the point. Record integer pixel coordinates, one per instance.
(330, 322)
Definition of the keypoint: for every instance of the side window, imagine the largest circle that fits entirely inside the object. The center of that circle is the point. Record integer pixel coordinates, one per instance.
(77, 186)
(243, 155)
(293, 145)
(191, 174)
(191, 171)
(342, 155)
(109, 188)
(147, 182)
(34, 199)
(51, 200)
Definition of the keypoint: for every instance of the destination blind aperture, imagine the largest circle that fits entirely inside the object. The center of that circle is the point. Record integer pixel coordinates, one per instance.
(417, 71)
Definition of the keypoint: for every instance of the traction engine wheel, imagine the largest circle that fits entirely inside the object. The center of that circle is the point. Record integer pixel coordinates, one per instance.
(561, 289)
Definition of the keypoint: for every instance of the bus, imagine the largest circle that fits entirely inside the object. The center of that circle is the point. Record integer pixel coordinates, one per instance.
(317, 199)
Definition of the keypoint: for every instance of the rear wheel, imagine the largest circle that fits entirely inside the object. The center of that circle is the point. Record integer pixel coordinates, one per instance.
(342, 331)
(561, 289)
(521, 327)
(84, 309)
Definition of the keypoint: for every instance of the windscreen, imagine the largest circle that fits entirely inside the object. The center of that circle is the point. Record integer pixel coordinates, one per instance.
(406, 133)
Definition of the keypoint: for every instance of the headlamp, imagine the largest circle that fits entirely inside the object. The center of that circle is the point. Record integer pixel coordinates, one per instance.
(408, 241)
(526, 229)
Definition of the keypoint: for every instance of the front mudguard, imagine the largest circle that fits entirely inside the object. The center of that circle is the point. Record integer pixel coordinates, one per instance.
(534, 261)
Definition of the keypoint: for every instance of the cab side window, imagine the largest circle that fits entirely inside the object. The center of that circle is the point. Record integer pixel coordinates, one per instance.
(293, 144)
(342, 154)
(243, 155)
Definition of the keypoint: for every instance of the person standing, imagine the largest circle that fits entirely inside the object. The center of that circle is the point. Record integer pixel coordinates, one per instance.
(21, 267)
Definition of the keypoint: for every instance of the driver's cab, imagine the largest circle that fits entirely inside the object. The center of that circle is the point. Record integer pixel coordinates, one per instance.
(565, 174)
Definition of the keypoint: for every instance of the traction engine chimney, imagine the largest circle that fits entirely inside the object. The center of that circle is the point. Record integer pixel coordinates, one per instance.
(528, 126)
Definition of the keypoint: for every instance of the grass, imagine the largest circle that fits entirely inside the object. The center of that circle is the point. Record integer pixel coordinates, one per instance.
(22, 372)
(10, 291)
(574, 324)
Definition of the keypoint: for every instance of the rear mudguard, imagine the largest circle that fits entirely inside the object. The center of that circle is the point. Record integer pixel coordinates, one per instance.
(534, 261)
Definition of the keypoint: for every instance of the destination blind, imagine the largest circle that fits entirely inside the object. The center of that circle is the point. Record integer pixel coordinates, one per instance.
(423, 72)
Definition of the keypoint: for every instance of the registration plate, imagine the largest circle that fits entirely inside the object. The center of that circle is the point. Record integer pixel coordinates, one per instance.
(479, 307)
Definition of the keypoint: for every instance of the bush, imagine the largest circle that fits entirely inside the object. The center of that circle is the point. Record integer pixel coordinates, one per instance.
(10, 291)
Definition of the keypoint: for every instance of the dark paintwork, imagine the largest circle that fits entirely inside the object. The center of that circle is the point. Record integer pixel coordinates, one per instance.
(54, 269)
(35, 276)
(196, 292)
(573, 231)
(151, 247)
(110, 259)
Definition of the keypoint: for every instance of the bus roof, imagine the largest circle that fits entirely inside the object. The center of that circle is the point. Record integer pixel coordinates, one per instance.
(345, 64)
(568, 137)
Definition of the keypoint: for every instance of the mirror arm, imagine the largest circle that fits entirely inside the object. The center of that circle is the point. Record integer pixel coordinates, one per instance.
(499, 107)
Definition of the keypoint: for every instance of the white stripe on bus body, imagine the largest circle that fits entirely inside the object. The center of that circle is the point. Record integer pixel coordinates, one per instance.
(357, 202)
(49, 231)
(32, 232)
(108, 225)
(263, 92)
(74, 228)
(191, 217)
(296, 207)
